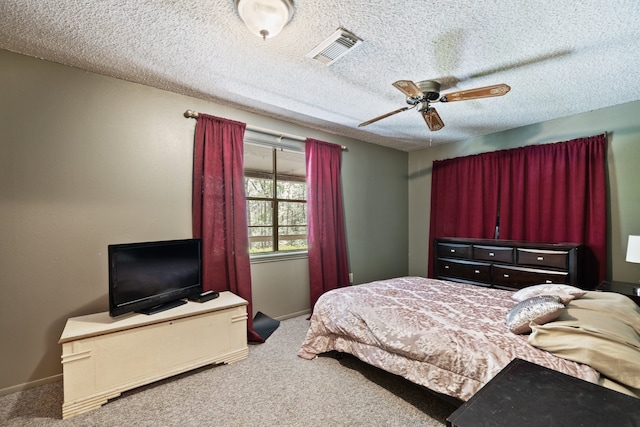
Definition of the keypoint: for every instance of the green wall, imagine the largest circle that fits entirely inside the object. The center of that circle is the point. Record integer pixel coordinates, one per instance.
(622, 126)
(88, 160)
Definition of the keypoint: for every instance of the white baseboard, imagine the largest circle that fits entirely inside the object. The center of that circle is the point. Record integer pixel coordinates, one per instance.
(296, 314)
(31, 384)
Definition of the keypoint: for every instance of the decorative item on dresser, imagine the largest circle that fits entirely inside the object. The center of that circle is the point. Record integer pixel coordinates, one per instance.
(507, 264)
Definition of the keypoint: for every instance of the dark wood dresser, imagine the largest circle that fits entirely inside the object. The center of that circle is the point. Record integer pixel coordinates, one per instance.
(507, 264)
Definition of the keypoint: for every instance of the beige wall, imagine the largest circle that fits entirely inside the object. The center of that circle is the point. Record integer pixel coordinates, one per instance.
(623, 128)
(281, 289)
(87, 160)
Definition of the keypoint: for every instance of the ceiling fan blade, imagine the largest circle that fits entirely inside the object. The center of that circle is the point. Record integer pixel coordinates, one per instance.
(384, 116)
(480, 92)
(432, 118)
(409, 88)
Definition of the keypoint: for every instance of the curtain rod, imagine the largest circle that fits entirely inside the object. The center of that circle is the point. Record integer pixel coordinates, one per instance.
(194, 115)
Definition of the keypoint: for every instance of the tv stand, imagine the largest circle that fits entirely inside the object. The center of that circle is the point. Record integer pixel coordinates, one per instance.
(162, 307)
(103, 356)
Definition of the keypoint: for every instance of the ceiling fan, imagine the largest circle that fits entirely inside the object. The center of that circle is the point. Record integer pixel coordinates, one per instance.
(422, 94)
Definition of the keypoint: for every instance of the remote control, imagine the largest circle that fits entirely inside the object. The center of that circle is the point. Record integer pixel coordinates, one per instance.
(204, 297)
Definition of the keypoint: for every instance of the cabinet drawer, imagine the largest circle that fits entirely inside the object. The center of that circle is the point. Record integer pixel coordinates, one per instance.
(543, 258)
(493, 254)
(474, 271)
(518, 278)
(452, 250)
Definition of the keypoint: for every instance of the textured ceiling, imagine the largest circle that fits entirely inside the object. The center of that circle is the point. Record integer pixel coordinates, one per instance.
(560, 58)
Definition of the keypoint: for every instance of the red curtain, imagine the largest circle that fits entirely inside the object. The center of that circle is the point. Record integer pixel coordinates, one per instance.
(557, 193)
(328, 266)
(540, 193)
(219, 209)
(464, 200)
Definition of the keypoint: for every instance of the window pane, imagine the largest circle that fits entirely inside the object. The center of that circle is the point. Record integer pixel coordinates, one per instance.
(291, 163)
(260, 239)
(292, 190)
(259, 213)
(291, 175)
(292, 244)
(258, 187)
(258, 158)
(292, 226)
(292, 213)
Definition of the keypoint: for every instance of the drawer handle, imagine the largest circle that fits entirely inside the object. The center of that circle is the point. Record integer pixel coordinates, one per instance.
(477, 271)
(492, 254)
(453, 251)
(506, 275)
(548, 281)
(540, 258)
(446, 267)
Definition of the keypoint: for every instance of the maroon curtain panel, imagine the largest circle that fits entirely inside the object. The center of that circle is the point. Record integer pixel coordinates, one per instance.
(540, 193)
(464, 200)
(328, 265)
(557, 193)
(219, 209)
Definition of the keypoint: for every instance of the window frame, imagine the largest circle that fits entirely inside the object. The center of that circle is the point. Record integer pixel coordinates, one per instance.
(276, 177)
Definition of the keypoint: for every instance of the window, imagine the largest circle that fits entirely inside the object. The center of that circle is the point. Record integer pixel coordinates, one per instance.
(276, 199)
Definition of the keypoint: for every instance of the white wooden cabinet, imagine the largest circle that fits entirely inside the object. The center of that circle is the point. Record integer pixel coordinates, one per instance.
(104, 356)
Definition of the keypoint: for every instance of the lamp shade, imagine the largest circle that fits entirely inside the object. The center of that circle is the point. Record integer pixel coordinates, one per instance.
(265, 18)
(633, 249)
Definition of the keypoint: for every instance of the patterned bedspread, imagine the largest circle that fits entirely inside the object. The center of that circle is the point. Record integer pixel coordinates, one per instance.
(449, 337)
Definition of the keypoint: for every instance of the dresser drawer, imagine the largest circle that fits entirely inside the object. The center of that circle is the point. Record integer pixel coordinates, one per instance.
(474, 271)
(453, 250)
(518, 278)
(543, 258)
(493, 254)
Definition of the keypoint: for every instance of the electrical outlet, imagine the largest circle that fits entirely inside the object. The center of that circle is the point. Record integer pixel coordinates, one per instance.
(351, 278)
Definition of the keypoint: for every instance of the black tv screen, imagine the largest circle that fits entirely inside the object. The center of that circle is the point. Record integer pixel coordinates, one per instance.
(153, 276)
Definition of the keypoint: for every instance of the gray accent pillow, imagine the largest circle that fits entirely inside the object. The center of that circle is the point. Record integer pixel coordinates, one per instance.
(539, 309)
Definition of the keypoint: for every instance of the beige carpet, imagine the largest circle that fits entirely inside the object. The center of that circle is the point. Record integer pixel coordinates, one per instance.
(273, 387)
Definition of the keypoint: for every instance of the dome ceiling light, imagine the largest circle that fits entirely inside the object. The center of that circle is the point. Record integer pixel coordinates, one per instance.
(265, 18)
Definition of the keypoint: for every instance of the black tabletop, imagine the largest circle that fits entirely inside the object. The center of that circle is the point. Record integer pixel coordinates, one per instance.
(525, 394)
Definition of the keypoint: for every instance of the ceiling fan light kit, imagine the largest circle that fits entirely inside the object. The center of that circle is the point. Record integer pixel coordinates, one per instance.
(430, 89)
(423, 93)
(265, 18)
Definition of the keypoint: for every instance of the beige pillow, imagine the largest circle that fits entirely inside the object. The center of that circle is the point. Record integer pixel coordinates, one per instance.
(565, 292)
(606, 341)
(609, 302)
(539, 309)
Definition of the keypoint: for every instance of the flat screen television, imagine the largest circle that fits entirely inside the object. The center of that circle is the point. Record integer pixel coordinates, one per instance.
(153, 276)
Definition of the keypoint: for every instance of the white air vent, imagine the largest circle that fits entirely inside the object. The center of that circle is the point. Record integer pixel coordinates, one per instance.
(339, 43)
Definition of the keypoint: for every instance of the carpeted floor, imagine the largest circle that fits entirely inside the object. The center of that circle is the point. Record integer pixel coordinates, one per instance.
(273, 387)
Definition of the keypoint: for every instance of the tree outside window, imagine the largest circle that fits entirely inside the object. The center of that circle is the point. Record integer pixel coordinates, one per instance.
(276, 199)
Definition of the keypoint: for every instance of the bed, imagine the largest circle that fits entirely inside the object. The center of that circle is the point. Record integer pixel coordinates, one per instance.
(446, 336)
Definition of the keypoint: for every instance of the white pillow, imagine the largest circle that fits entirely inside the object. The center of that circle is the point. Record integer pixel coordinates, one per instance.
(565, 292)
(539, 309)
